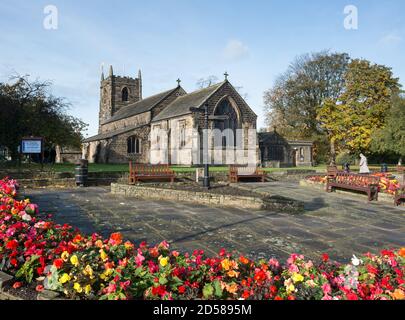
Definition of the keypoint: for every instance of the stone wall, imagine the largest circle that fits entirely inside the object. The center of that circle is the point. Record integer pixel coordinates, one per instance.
(146, 192)
(118, 148)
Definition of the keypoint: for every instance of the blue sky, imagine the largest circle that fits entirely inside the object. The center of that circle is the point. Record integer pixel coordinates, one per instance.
(253, 40)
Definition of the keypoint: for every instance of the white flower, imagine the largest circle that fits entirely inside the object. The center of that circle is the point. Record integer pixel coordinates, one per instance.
(26, 217)
(355, 261)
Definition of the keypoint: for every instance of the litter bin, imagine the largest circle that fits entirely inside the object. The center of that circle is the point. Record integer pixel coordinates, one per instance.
(384, 168)
(81, 172)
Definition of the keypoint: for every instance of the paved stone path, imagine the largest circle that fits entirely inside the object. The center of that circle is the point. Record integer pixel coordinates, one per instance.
(341, 225)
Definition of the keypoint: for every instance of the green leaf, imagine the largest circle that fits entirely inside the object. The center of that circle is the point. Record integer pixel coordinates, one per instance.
(208, 291)
(218, 289)
(162, 280)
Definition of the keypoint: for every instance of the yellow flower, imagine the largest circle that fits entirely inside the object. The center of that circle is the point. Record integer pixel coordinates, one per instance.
(64, 278)
(87, 289)
(74, 260)
(103, 255)
(290, 288)
(164, 261)
(77, 287)
(297, 277)
(226, 264)
(88, 271)
(65, 256)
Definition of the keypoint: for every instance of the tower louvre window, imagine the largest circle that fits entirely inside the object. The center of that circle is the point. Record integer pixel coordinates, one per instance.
(125, 94)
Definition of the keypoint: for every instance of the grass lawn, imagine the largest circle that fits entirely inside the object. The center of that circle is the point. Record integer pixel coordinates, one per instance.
(66, 167)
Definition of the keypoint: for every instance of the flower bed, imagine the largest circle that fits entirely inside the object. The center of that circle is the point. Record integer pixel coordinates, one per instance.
(388, 184)
(58, 257)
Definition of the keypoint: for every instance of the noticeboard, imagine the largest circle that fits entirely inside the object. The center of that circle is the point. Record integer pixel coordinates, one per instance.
(31, 145)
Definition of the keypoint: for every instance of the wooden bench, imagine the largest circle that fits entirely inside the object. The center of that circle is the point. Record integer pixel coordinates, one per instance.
(356, 182)
(331, 171)
(236, 173)
(139, 172)
(401, 169)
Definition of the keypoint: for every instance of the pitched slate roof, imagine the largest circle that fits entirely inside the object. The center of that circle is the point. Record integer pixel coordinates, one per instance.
(140, 107)
(182, 104)
(111, 134)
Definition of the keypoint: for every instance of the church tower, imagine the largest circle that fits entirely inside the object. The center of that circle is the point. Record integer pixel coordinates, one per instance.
(117, 92)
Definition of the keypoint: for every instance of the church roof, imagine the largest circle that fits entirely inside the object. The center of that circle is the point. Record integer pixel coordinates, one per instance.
(140, 107)
(111, 134)
(183, 104)
(271, 136)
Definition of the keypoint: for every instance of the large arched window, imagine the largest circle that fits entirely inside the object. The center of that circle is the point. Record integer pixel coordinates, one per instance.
(133, 145)
(125, 94)
(231, 122)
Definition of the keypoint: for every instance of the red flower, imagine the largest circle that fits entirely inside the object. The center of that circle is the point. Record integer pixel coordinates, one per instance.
(181, 289)
(12, 245)
(325, 257)
(222, 252)
(351, 296)
(14, 262)
(116, 239)
(160, 290)
(278, 298)
(17, 285)
(39, 288)
(58, 263)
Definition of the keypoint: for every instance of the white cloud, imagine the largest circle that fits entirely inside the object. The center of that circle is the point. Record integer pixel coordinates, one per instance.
(392, 38)
(235, 50)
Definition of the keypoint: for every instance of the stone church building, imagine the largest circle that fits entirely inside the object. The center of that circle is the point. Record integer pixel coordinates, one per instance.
(131, 127)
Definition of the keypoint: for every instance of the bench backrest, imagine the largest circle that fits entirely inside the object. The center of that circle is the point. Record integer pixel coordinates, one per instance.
(332, 171)
(240, 171)
(356, 179)
(401, 169)
(150, 170)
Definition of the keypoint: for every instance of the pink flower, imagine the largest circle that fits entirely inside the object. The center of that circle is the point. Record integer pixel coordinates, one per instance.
(293, 268)
(326, 288)
(274, 263)
(139, 258)
(125, 284)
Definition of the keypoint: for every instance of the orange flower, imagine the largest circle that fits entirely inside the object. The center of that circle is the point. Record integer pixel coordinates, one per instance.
(116, 239)
(243, 260)
(77, 238)
(398, 294)
(99, 244)
(128, 245)
(402, 252)
(233, 274)
(232, 288)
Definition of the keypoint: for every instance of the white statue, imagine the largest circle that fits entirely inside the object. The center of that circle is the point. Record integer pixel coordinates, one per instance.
(363, 164)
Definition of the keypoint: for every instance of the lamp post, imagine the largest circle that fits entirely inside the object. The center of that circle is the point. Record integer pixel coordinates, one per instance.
(206, 180)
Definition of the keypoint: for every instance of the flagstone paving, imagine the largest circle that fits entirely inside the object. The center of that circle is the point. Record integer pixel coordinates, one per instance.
(339, 224)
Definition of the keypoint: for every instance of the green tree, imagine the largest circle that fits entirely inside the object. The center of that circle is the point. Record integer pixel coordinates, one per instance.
(361, 108)
(292, 104)
(28, 109)
(391, 138)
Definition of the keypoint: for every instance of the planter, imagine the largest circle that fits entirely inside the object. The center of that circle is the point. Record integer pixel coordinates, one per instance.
(382, 197)
(258, 202)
